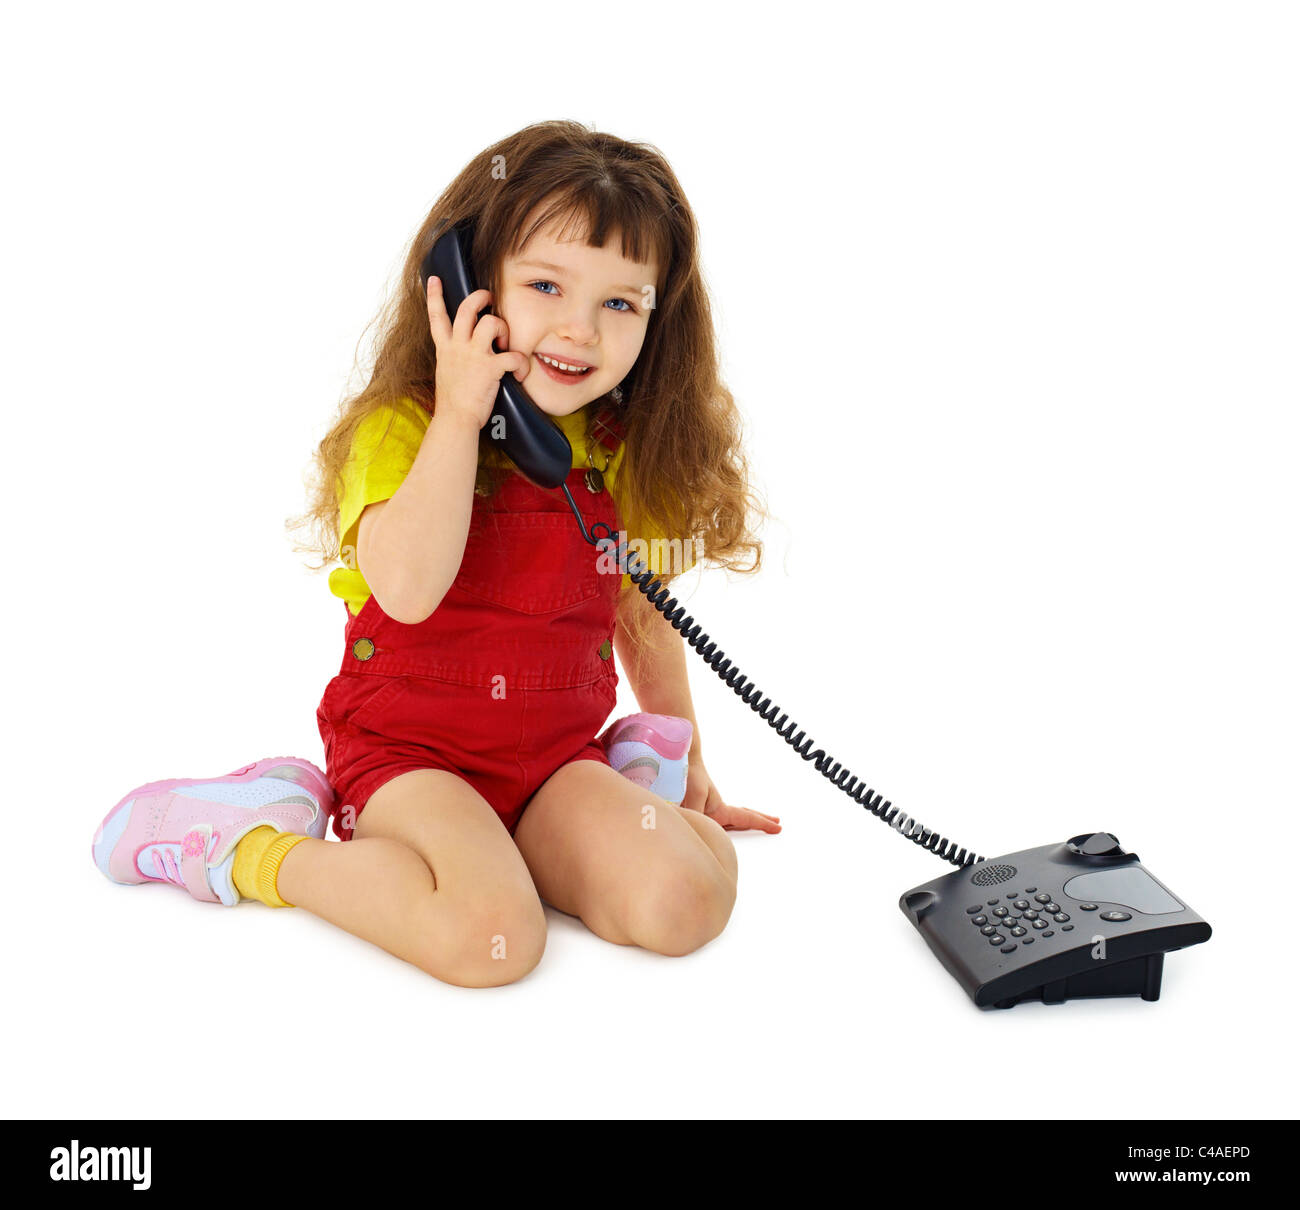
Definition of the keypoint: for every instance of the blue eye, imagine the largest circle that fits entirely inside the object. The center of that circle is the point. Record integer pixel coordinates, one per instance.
(622, 309)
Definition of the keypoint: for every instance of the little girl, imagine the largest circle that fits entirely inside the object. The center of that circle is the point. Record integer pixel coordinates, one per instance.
(465, 766)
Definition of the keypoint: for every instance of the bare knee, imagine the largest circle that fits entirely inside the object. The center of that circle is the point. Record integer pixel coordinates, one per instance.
(683, 910)
(493, 941)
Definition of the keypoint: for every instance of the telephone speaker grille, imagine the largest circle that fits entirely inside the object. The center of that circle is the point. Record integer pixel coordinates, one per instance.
(991, 875)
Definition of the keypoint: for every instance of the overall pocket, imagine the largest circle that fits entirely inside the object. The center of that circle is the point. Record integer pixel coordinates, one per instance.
(529, 562)
(353, 702)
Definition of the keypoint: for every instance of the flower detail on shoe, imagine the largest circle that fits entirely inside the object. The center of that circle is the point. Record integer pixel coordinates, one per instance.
(194, 844)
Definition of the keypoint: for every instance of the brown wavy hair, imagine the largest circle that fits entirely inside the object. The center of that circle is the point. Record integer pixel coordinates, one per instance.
(684, 473)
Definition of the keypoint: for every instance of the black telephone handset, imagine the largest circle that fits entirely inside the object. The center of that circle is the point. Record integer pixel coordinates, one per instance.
(526, 434)
(1062, 922)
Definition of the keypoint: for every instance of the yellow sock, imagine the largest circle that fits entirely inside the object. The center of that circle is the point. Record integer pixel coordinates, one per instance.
(257, 863)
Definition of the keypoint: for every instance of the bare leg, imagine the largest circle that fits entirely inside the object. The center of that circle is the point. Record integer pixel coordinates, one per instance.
(635, 868)
(431, 876)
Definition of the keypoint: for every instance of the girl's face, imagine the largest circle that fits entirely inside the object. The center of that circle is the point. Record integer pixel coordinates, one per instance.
(582, 306)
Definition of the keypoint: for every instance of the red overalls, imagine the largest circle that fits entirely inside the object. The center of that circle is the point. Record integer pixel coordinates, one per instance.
(510, 678)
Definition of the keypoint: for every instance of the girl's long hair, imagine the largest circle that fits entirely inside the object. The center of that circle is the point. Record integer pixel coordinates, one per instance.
(684, 473)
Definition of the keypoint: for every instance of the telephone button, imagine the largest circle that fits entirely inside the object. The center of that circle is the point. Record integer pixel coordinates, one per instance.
(1052, 907)
(1027, 941)
(1039, 924)
(1029, 890)
(1006, 949)
(970, 911)
(991, 902)
(1022, 904)
(1116, 916)
(997, 940)
(989, 930)
(1065, 928)
(1049, 933)
(1018, 931)
(979, 920)
(1001, 911)
(1043, 898)
(1061, 917)
(1087, 907)
(1031, 914)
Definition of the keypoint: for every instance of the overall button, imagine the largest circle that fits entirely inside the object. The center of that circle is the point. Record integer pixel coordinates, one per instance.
(363, 649)
(604, 650)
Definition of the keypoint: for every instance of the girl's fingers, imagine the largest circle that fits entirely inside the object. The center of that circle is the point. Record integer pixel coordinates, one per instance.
(468, 311)
(487, 331)
(439, 324)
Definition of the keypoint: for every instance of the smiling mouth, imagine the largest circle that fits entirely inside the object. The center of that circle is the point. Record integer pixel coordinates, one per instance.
(569, 369)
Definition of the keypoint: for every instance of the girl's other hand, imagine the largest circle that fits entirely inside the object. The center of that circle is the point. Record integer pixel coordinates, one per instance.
(468, 370)
(702, 795)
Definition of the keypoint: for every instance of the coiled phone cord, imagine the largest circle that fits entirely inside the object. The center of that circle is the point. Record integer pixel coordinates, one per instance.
(750, 694)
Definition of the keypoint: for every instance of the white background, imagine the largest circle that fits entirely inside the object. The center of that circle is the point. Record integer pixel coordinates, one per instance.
(1008, 296)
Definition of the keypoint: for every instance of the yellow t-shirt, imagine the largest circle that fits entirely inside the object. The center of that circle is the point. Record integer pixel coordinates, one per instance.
(379, 461)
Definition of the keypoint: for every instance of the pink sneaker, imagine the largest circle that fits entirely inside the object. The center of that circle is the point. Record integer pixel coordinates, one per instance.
(185, 830)
(652, 750)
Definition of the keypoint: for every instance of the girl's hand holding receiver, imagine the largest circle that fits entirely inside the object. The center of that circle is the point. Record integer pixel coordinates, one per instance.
(468, 373)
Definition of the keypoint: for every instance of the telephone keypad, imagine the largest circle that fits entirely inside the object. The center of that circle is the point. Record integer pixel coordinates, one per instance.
(1021, 917)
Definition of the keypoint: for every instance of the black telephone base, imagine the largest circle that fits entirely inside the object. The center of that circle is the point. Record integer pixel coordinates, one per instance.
(1070, 921)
